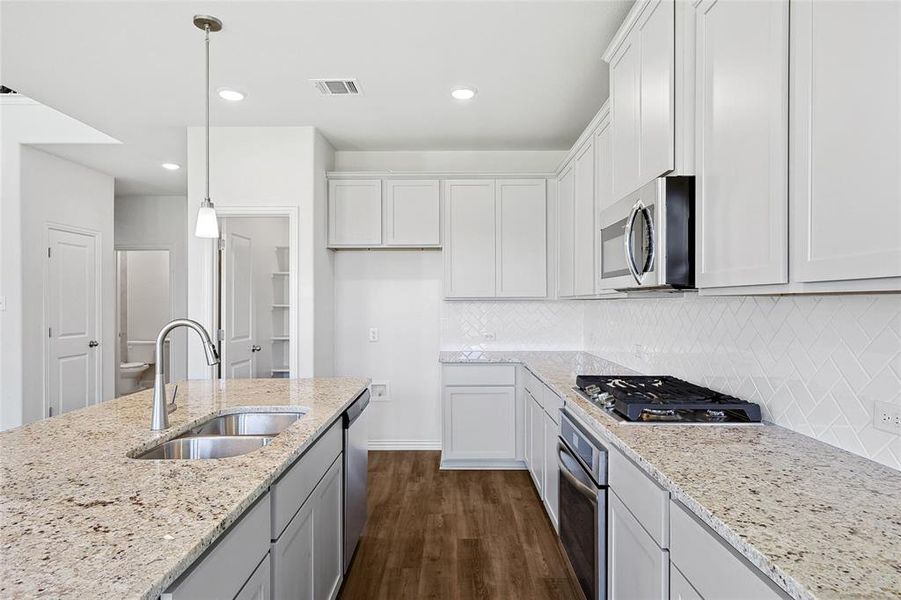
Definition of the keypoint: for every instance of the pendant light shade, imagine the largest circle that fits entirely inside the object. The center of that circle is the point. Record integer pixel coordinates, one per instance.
(207, 223)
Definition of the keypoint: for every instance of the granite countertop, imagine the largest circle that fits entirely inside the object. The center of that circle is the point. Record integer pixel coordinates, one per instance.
(819, 521)
(78, 518)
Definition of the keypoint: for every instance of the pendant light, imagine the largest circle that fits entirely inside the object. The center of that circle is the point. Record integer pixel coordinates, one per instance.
(207, 224)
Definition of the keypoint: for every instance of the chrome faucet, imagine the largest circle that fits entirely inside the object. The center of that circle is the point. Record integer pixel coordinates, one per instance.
(159, 418)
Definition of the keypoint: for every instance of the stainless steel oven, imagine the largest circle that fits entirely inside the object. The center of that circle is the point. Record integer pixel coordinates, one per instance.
(582, 461)
(647, 238)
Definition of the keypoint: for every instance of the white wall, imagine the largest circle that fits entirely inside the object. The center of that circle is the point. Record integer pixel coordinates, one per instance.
(474, 161)
(22, 121)
(266, 167)
(147, 294)
(160, 222)
(54, 190)
(398, 292)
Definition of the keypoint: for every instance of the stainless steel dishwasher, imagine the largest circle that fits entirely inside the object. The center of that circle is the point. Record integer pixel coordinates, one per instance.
(356, 467)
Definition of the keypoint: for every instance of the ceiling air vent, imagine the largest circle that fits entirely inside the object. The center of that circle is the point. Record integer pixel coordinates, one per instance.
(337, 87)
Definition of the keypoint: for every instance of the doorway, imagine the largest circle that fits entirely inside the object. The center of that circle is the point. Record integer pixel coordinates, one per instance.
(143, 299)
(72, 305)
(254, 312)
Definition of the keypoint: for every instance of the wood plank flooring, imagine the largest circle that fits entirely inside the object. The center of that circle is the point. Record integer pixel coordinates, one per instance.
(454, 534)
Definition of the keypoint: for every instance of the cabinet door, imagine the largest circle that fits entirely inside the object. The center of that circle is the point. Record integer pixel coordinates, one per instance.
(583, 221)
(679, 587)
(292, 557)
(258, 586)
(328, 533)
(536, 439)
(742, 137)
(657, 104)
(479, 423)
(469, 252)
(551, 472)
(412, 213)
(845, 140)
(637, 567)
(355, 212)
(521, 234)
(625, 104)
(603, 156)
(565, 220)
(527, 428)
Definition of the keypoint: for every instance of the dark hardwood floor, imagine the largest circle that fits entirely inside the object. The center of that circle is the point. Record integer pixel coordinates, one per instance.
(454, 534)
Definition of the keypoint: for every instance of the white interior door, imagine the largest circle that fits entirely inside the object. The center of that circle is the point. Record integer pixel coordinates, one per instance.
(71, 301)
(237, 284)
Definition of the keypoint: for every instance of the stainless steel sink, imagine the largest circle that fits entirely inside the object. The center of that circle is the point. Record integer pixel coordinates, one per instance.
(206, 446)
(247, 423)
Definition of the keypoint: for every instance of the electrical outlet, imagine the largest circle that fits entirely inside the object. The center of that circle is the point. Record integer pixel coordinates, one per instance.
(887, 417)
(639, 352)
(373, 334)
(2, 302)
(378, 391)
(489, 335)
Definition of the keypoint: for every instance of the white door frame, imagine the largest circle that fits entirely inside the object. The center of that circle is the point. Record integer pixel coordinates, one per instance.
(98, 317)
(170, 248)
(211, 292)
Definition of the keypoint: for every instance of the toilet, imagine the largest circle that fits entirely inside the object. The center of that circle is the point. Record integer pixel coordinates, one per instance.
(129, 374)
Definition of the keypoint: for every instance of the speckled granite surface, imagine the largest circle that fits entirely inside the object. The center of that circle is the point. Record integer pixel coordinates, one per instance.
(80, 519)
(819, 521)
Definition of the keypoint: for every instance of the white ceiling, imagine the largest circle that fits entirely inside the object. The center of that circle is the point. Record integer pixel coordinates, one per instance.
(134, 70)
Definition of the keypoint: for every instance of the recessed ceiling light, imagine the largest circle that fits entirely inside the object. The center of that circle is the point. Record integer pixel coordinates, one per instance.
(463, 93)
(171, 166)
(231, 95)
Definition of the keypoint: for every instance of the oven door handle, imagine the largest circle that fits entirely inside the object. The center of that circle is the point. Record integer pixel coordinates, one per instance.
(563, 457)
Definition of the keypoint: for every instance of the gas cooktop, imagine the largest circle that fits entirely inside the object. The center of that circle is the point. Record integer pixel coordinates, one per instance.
(663, 399)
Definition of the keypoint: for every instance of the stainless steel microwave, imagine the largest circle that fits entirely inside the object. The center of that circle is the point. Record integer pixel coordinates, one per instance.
(647, 238)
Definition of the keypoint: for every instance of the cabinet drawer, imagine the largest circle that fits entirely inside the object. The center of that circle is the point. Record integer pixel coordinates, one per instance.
(225, 568)
(479, 374)
(679, 587)
(531, 383)
(293, 488)
(552, 403)
(645, 499)
(713, 568)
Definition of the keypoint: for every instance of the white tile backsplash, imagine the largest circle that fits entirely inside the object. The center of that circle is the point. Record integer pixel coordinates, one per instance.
(815, 364)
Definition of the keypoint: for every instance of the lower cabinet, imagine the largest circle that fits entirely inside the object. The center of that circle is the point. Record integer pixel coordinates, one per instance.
(536, 443)
(637, 568)
(679, 587)
(306, 558)
(551, 471)
(258, 587)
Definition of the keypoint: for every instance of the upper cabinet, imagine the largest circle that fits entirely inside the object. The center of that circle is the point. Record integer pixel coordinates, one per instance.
(642, 60)
(742, 143)
(355, 212)
(584, 220)
(495, 238)
(845, 134)
(375, 213)
(565, 248)
(412, 211)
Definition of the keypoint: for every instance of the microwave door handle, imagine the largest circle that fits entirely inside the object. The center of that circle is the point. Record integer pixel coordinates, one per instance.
(652, 244)
(627, 242)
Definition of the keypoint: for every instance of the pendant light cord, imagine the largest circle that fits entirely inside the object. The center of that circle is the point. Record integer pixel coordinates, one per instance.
(207, 42)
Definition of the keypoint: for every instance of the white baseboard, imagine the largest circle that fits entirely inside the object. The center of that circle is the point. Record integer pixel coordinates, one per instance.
(458, 464)
(405, 444)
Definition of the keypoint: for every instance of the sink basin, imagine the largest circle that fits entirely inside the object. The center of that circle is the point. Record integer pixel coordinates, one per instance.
(247, 423)
(206, 446)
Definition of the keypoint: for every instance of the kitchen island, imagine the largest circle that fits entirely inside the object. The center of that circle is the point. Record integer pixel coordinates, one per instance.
(817, 521)
(80, 518)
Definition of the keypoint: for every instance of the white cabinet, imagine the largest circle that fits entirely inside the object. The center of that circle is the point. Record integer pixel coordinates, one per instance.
(306, 558)
(412, 213)
(469, 266)
(495, 238)
(259, 586)
(583, 220)
(482, 419)
(355, 212)
(521, 243)
(679, 587)
(328, 533)
(551, 471)
(845, 140)
(603, 156)
(642, 92)
(536, 444)
(565, 233)
(636, 566)
(742, 140)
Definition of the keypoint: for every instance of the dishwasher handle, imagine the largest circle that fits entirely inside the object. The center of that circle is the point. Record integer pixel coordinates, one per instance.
(356, 409)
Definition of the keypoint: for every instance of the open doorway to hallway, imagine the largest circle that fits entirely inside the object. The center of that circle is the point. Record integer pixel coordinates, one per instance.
(255, 300)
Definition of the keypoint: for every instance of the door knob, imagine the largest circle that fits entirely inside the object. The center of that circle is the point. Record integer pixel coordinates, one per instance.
(255, 348)
(93, 344)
